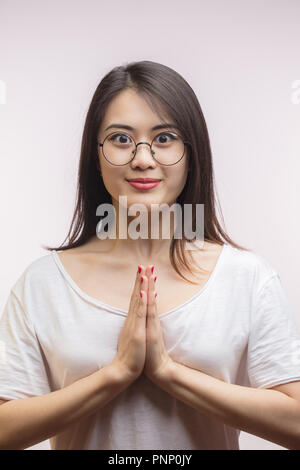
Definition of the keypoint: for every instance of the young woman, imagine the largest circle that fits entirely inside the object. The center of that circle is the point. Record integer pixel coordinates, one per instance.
(119, 342)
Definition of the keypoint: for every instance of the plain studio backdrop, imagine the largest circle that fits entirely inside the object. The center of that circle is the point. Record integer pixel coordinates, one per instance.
(240, 57)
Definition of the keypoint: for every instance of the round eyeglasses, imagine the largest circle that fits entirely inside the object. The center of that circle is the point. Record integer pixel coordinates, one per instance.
(167, 148)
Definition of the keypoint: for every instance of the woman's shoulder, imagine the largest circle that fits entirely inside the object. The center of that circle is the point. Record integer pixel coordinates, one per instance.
(237, 265)
(38, 271)
(248, 266)
(43, 273)
(45, 265)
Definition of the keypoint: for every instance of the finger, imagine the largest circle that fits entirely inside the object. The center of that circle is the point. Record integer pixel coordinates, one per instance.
(142, 297)
(139, 278)
(151, 277)
(139, 285)
(152, 306)
(150, 270)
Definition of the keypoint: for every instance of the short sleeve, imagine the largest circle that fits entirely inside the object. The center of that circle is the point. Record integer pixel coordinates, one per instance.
(273, 355)
(22, 368)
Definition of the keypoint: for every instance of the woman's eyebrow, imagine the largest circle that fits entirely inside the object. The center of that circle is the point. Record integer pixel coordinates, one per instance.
(129, 128)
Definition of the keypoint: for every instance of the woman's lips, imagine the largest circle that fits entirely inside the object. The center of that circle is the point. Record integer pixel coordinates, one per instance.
(140, 185)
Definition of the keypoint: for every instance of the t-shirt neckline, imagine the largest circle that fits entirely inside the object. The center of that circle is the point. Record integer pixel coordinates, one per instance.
(123, 312)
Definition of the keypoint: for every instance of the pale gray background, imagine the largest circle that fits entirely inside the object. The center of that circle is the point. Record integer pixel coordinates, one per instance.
(240, 57)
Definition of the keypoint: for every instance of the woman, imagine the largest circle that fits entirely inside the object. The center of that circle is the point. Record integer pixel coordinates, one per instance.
(107, 338)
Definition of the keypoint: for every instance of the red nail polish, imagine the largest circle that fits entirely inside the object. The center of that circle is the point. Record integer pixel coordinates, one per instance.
(152, 269)
(141, 294)
(140, 269)
(155, 294)
(155, 278)
(142, 279)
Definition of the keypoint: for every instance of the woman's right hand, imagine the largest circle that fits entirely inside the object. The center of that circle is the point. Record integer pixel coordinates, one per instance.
(131, 355)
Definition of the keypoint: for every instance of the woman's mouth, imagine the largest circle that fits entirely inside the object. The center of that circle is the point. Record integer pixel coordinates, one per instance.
(144, 184)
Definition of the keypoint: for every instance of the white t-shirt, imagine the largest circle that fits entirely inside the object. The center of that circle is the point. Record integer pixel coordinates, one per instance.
(238, 328)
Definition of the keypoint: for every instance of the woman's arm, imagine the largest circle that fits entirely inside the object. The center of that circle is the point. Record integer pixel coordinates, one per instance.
(25, 422)
(269, 414)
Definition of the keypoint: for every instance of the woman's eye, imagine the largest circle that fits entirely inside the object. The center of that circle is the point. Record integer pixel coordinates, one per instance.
(123, 140)
(163, 138)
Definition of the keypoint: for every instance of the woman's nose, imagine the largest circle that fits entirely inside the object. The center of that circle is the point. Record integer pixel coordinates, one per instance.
(143, 154)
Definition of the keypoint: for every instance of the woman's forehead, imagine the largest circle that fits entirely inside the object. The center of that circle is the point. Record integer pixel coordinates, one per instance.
(134, 111)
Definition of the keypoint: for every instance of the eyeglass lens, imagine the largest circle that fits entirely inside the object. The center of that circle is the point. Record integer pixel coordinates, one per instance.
(167, 148)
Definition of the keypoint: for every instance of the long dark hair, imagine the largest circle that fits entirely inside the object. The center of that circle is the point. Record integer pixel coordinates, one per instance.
(164, 90)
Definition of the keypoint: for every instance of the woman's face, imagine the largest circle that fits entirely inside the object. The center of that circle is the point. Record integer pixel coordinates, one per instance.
(131, 109)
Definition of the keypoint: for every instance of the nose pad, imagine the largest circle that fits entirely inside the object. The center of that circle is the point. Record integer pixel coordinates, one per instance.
(145, 143)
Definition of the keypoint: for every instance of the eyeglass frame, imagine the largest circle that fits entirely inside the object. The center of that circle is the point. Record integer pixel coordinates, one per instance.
(146, 143)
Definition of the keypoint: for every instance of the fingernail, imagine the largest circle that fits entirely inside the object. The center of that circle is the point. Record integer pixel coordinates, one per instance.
(155, 278)
(152, 269)
(155, 294)
(141, 294)
(139, 269)
(141, 278)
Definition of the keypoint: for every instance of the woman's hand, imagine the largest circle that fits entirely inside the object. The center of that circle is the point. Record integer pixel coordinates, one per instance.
(141, 345)
(131, 354)
(157, 358)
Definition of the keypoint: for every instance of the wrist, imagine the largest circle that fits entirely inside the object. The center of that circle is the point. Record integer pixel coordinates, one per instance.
(165, 374)
(120, 374)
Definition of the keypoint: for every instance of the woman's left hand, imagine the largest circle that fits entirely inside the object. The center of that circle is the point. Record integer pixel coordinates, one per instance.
(157, 359)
